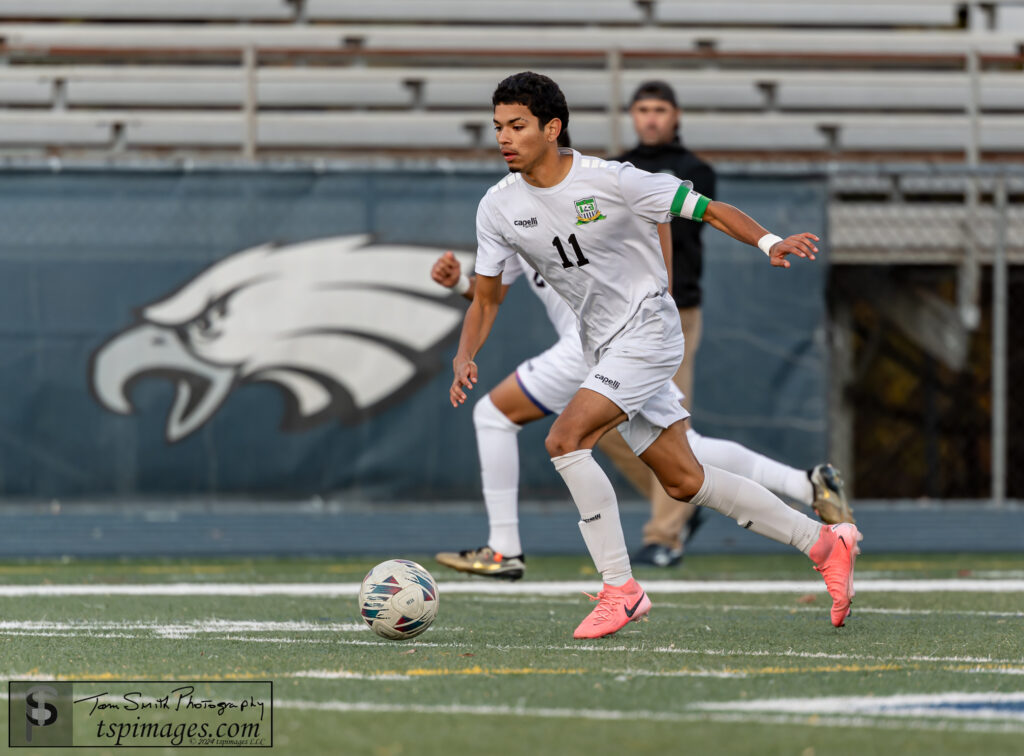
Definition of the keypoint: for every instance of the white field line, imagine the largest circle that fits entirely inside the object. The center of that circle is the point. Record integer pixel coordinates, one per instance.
(974, 705)
(623, 675)
(807, 719)
(342, 674)
(344, 707)
(997, 671)
(787, 608)
(205, 629)
(672, 649)
(817, 610)
(552, 588)
(573, 648)
(619, 675)
(190, 628)
(92, 629)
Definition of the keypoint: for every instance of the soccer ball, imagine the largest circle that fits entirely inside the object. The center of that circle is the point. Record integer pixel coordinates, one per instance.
(398, 599)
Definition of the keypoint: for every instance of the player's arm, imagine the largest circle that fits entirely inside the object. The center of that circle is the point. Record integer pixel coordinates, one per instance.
(739, 225)
(447, 271)
(475, 328)
(646, 195)
(665, 237)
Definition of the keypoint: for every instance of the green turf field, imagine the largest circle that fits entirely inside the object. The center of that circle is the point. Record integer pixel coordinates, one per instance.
(741, 666)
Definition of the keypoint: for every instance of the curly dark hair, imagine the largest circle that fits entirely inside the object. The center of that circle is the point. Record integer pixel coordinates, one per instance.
(540, 94)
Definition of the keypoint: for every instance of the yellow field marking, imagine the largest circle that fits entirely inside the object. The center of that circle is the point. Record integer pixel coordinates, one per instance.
(145, 569)
(192, 569)
(445, 671)
(25, 569)
(831, 668)
(878, 565)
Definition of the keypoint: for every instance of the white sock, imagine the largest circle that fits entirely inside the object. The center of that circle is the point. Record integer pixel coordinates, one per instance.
(599, 514)
(755, 507)
(775, 476)
(498, 445)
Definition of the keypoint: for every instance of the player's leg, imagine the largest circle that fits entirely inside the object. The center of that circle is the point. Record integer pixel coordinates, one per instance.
(497, 418)
(832, 549)
(570, 444)
(626, 462)
(671, 522)
(540, 386)
(820, 488)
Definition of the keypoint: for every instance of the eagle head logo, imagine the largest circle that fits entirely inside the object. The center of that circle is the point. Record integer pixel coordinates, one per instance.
(344, 327)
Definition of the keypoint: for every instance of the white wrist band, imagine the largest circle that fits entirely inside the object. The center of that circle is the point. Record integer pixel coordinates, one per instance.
(767, 241)
(462, 285)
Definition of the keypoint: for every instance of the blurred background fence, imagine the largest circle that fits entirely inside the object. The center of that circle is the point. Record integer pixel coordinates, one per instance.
(926, 348)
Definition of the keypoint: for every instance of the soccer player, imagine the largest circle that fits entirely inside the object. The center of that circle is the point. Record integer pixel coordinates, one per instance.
(656, 115)
(595, 243)
(543, 385)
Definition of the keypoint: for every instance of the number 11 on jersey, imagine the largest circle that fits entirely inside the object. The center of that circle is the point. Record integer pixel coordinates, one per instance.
(566, 262)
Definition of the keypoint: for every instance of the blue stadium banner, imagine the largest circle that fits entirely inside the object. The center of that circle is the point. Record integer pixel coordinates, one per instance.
(276, 333)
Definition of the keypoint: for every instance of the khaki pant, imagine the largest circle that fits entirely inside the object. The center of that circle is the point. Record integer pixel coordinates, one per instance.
(667, 514)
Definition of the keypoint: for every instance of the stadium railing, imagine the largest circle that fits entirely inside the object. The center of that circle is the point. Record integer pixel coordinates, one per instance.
(742, 102)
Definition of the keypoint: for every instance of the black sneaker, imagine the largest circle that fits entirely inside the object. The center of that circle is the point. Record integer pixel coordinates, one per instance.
(658, 555)
(692, 524)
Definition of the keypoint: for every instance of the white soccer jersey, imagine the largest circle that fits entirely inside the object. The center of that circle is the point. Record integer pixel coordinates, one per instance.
(593, 237)
(561, 317)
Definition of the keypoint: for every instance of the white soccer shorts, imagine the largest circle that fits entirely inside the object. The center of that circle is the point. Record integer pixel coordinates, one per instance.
(635, 371)
(552, 378)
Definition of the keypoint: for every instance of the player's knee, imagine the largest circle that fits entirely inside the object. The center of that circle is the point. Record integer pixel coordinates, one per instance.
(559, 442)
(684, 485)
(487, 415)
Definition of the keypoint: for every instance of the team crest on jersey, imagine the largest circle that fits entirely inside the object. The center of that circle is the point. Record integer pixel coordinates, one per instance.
(587, 211)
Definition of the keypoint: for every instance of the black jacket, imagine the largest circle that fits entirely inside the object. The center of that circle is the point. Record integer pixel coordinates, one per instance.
(687, 248)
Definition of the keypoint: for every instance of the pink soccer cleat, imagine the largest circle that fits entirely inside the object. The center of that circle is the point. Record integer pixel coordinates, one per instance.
(837, 568)
(617, 606)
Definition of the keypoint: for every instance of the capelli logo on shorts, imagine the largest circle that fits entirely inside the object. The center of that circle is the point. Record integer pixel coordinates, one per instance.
(527, 223)
(607, 381)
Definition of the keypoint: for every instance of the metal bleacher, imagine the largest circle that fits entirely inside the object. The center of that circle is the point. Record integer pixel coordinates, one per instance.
(341, 77)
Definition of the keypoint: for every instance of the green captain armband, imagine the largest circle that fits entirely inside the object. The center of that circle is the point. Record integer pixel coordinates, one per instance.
(689, 204)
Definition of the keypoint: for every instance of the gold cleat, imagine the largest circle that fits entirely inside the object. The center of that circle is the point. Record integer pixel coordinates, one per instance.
(484, 561)
(830, 502)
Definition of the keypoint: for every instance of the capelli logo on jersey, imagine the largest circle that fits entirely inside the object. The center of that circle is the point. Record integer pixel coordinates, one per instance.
(528, 223)
(607, 381)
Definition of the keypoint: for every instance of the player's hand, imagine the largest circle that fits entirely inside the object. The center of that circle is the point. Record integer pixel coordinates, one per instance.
(801, 245)
(465, 377)
(446, 270)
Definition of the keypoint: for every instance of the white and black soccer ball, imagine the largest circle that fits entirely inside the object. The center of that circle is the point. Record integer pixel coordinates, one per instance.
(398, 599)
